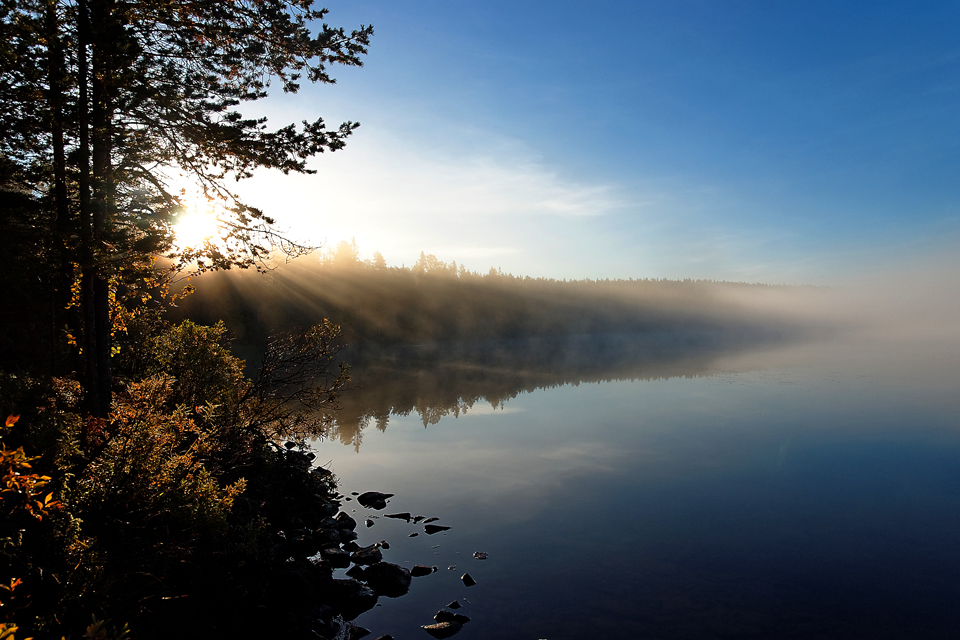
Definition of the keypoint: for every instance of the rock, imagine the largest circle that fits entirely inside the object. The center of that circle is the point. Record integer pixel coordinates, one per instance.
(468, 580)
(327, 509)
(413, 535)
(351, 598)
(330, 626)
(453, 605)
(302, 543)
(374, 499)
(367, 555)
(368, 522)
(417, 519)
(480, 555)
(350, 546)
(356, 572)
(434, 528)
(430, 520)
(347, 535)
(447, 616)
(357, 632)
(384, 544)
(385, 636)
(399, 516)
(442, 629)
(452, 567)
(336, 557)
(327, 536)
(420, 570)
(344, 521)
(387, 579)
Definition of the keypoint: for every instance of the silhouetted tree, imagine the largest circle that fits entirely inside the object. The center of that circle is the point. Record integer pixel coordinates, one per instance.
(107, 104)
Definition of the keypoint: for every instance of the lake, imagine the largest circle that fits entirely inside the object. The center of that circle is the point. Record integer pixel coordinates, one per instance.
(660, 487)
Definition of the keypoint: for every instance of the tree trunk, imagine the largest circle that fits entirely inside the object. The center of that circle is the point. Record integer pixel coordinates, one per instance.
(88, 275)
(64, 274)
(104, 202)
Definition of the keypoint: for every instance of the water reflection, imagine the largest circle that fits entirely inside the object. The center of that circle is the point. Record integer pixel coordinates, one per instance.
(742, 491)
(433, 381)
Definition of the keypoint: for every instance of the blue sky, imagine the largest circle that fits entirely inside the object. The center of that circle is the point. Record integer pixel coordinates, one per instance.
(762, 141)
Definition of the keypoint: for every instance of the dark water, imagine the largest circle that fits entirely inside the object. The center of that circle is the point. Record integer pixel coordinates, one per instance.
(694, 490)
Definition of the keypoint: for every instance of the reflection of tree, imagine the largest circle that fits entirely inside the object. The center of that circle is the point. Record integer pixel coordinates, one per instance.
(449, 380)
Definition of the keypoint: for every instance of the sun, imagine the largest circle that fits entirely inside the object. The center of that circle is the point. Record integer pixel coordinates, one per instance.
(198, 221)
(195, 228)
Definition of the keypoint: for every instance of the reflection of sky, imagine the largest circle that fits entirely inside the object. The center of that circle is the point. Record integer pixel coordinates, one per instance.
(824, 493)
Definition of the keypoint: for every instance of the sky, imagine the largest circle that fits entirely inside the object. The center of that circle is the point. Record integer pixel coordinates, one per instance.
(762, 141)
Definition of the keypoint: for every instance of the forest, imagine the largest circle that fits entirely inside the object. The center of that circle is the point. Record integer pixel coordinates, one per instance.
(436, 302)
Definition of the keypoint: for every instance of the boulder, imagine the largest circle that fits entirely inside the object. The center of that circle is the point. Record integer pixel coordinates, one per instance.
(344, 521)
(336, 557)
(367, 555)
(351, 597)
(387, 579)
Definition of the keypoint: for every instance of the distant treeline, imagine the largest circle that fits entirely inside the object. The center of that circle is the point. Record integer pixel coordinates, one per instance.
(433, 301)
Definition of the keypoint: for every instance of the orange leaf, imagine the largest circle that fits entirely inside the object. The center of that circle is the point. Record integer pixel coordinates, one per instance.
(12, 420)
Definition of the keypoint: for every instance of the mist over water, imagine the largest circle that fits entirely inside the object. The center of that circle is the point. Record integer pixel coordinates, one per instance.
(722, 461)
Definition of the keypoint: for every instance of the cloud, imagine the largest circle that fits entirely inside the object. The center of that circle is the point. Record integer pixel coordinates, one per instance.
(383, 175)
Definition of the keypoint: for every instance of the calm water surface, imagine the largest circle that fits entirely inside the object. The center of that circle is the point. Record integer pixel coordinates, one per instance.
(802, 492)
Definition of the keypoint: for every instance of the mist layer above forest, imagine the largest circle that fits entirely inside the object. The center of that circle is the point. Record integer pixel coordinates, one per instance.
(434, 302)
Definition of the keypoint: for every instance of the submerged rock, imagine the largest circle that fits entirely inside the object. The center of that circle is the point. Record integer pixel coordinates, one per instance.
(480, 555)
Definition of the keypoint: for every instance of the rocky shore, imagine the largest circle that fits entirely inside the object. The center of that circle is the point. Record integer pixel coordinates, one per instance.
(319, 540)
